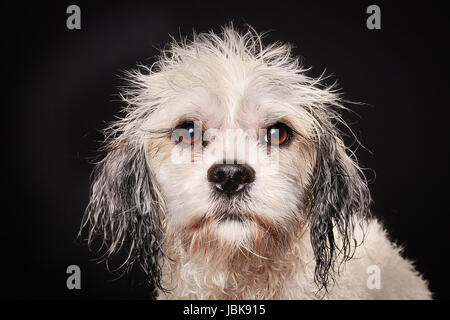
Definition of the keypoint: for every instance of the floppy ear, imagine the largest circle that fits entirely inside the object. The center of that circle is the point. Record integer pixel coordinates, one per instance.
(340, 198)
(124, 210)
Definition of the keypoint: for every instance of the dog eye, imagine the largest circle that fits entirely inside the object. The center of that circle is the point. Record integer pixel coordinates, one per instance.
(186, 134)
(278, 134)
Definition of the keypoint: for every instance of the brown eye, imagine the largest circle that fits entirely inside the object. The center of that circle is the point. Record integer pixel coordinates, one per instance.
(186, 134)
(277, 134)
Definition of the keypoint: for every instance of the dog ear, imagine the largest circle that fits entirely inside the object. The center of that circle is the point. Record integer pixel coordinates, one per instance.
(124, 211)
(340, 198)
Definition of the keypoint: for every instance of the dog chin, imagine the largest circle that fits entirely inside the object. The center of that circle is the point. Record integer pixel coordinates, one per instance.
(232, 231)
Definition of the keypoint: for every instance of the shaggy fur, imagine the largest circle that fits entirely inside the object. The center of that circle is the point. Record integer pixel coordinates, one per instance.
(301, 230)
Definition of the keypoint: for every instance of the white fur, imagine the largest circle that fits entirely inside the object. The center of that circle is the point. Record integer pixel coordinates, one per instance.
(399, 279)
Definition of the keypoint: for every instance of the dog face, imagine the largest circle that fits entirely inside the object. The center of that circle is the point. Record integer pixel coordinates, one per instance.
(235, 165)
(227, 147)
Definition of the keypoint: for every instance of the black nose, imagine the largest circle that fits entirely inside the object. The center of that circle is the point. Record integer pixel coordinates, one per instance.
(230, 178)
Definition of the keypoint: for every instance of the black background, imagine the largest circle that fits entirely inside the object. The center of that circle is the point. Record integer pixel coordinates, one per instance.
(60, 89)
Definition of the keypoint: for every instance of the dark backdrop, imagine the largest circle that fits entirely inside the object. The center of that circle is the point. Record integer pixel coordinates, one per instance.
(59, 90)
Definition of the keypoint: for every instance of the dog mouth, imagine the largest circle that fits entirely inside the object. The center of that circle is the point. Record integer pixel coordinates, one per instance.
(231, 216)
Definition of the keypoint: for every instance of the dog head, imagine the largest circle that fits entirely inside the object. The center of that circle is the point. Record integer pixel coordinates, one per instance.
(228, 147)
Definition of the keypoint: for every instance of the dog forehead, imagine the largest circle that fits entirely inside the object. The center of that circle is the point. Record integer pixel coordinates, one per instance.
(231, 94)
(240, 104)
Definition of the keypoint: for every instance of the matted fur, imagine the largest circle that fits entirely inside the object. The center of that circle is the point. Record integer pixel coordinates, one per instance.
(297, 231)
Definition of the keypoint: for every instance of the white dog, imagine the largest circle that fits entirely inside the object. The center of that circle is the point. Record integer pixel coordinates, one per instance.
(227, 178)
